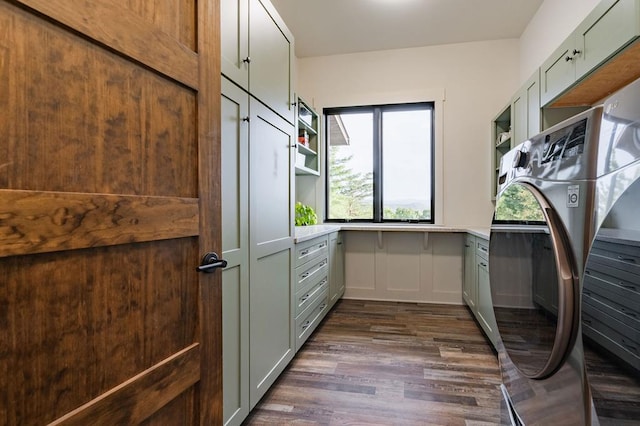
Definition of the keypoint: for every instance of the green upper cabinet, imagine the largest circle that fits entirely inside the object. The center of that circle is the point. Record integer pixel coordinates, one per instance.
(516, 123)
(308, 145)
(557, 73)
(257, 52)
(501, 141)
(610, 27)
(234, 36)
(525, 109)
(271, 50)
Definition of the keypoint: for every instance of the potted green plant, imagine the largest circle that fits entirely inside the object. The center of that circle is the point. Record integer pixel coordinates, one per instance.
(305, 215)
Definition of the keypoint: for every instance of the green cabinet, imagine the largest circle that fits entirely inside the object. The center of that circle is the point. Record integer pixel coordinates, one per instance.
(235, 250)
(484, 312)
(476, 290)
(308, 144)
(311, 286)
(525, 110)
(271, 327)
(257, 243)
(257, 53)
(501, 144)
(234, 41)
(545, 289)
(611, 26)
(258, 140)
(470, 282)
(517, 122)
(336, 265)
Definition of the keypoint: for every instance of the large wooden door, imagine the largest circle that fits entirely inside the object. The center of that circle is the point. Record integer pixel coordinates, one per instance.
(109, 196)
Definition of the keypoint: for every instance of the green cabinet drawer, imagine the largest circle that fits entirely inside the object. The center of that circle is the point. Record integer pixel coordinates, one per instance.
(309, 319)
(482, 248)
(311, 278)
(311, 249)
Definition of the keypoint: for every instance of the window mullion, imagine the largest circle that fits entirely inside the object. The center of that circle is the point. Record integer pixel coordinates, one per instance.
(377, 164)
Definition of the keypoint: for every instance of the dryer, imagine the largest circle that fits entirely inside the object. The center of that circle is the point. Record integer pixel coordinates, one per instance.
(557, 198)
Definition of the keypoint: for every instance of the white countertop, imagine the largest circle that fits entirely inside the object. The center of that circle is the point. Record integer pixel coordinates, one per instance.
(304, 233)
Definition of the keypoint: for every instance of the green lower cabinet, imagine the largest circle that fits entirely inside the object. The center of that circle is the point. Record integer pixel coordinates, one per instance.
(485, 314)
(311, 286)
(336, 265)
(470, 283)
(271, 328)
(476, 291)
(235, 250)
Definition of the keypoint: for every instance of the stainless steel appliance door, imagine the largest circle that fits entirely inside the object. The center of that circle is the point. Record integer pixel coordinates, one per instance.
(533, 281)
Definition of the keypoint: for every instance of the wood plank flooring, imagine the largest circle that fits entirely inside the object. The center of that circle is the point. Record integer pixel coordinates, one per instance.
(388, 363)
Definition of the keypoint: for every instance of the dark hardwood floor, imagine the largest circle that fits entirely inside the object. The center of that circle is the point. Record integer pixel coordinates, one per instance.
(387, 363)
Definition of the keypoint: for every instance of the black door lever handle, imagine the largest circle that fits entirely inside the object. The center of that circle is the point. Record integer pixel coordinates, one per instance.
(210, 263)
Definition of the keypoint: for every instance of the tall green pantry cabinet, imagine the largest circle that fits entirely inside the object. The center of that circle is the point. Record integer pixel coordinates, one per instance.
(235, 250)
(258, 141)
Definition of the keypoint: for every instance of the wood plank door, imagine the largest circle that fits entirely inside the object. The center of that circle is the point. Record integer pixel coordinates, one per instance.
(109, 196)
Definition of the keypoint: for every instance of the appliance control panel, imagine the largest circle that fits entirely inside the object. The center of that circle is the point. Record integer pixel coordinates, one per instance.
(564, 143)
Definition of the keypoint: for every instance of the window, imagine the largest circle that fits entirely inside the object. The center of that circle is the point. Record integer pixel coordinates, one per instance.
(380, 163)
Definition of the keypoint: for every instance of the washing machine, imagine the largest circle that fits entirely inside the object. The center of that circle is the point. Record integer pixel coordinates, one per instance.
(564, 266)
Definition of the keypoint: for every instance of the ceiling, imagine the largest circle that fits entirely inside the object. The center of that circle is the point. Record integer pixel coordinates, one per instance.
(330, 27)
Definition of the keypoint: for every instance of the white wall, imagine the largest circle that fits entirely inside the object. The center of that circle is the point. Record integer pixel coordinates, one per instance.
(476, 81)
(551, 25)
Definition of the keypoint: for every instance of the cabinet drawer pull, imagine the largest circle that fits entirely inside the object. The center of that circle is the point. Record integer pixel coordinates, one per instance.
(630, 313)
(323, 282)
(627, 286)
(324, 305)
(322, 245)
(568, 58)
(483, 264)
(626, 259)
(304, 298)
(306, 324)
(484, 249)
(324, 262)
(586, 321)
(304, 252)
(305, 275)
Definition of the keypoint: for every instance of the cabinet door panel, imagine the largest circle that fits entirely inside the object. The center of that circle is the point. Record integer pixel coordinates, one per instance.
(519, 121)
(271, 321)
(533, 106)
(271, 50)
(234, 27)
(235, 250)
(336, 263)
(557, 73)
(272, 334)
(485, 306)
(271, 163)
(612, 25)
(470, 283)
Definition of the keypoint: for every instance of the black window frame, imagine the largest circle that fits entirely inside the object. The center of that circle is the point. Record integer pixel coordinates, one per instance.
(378, 173)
